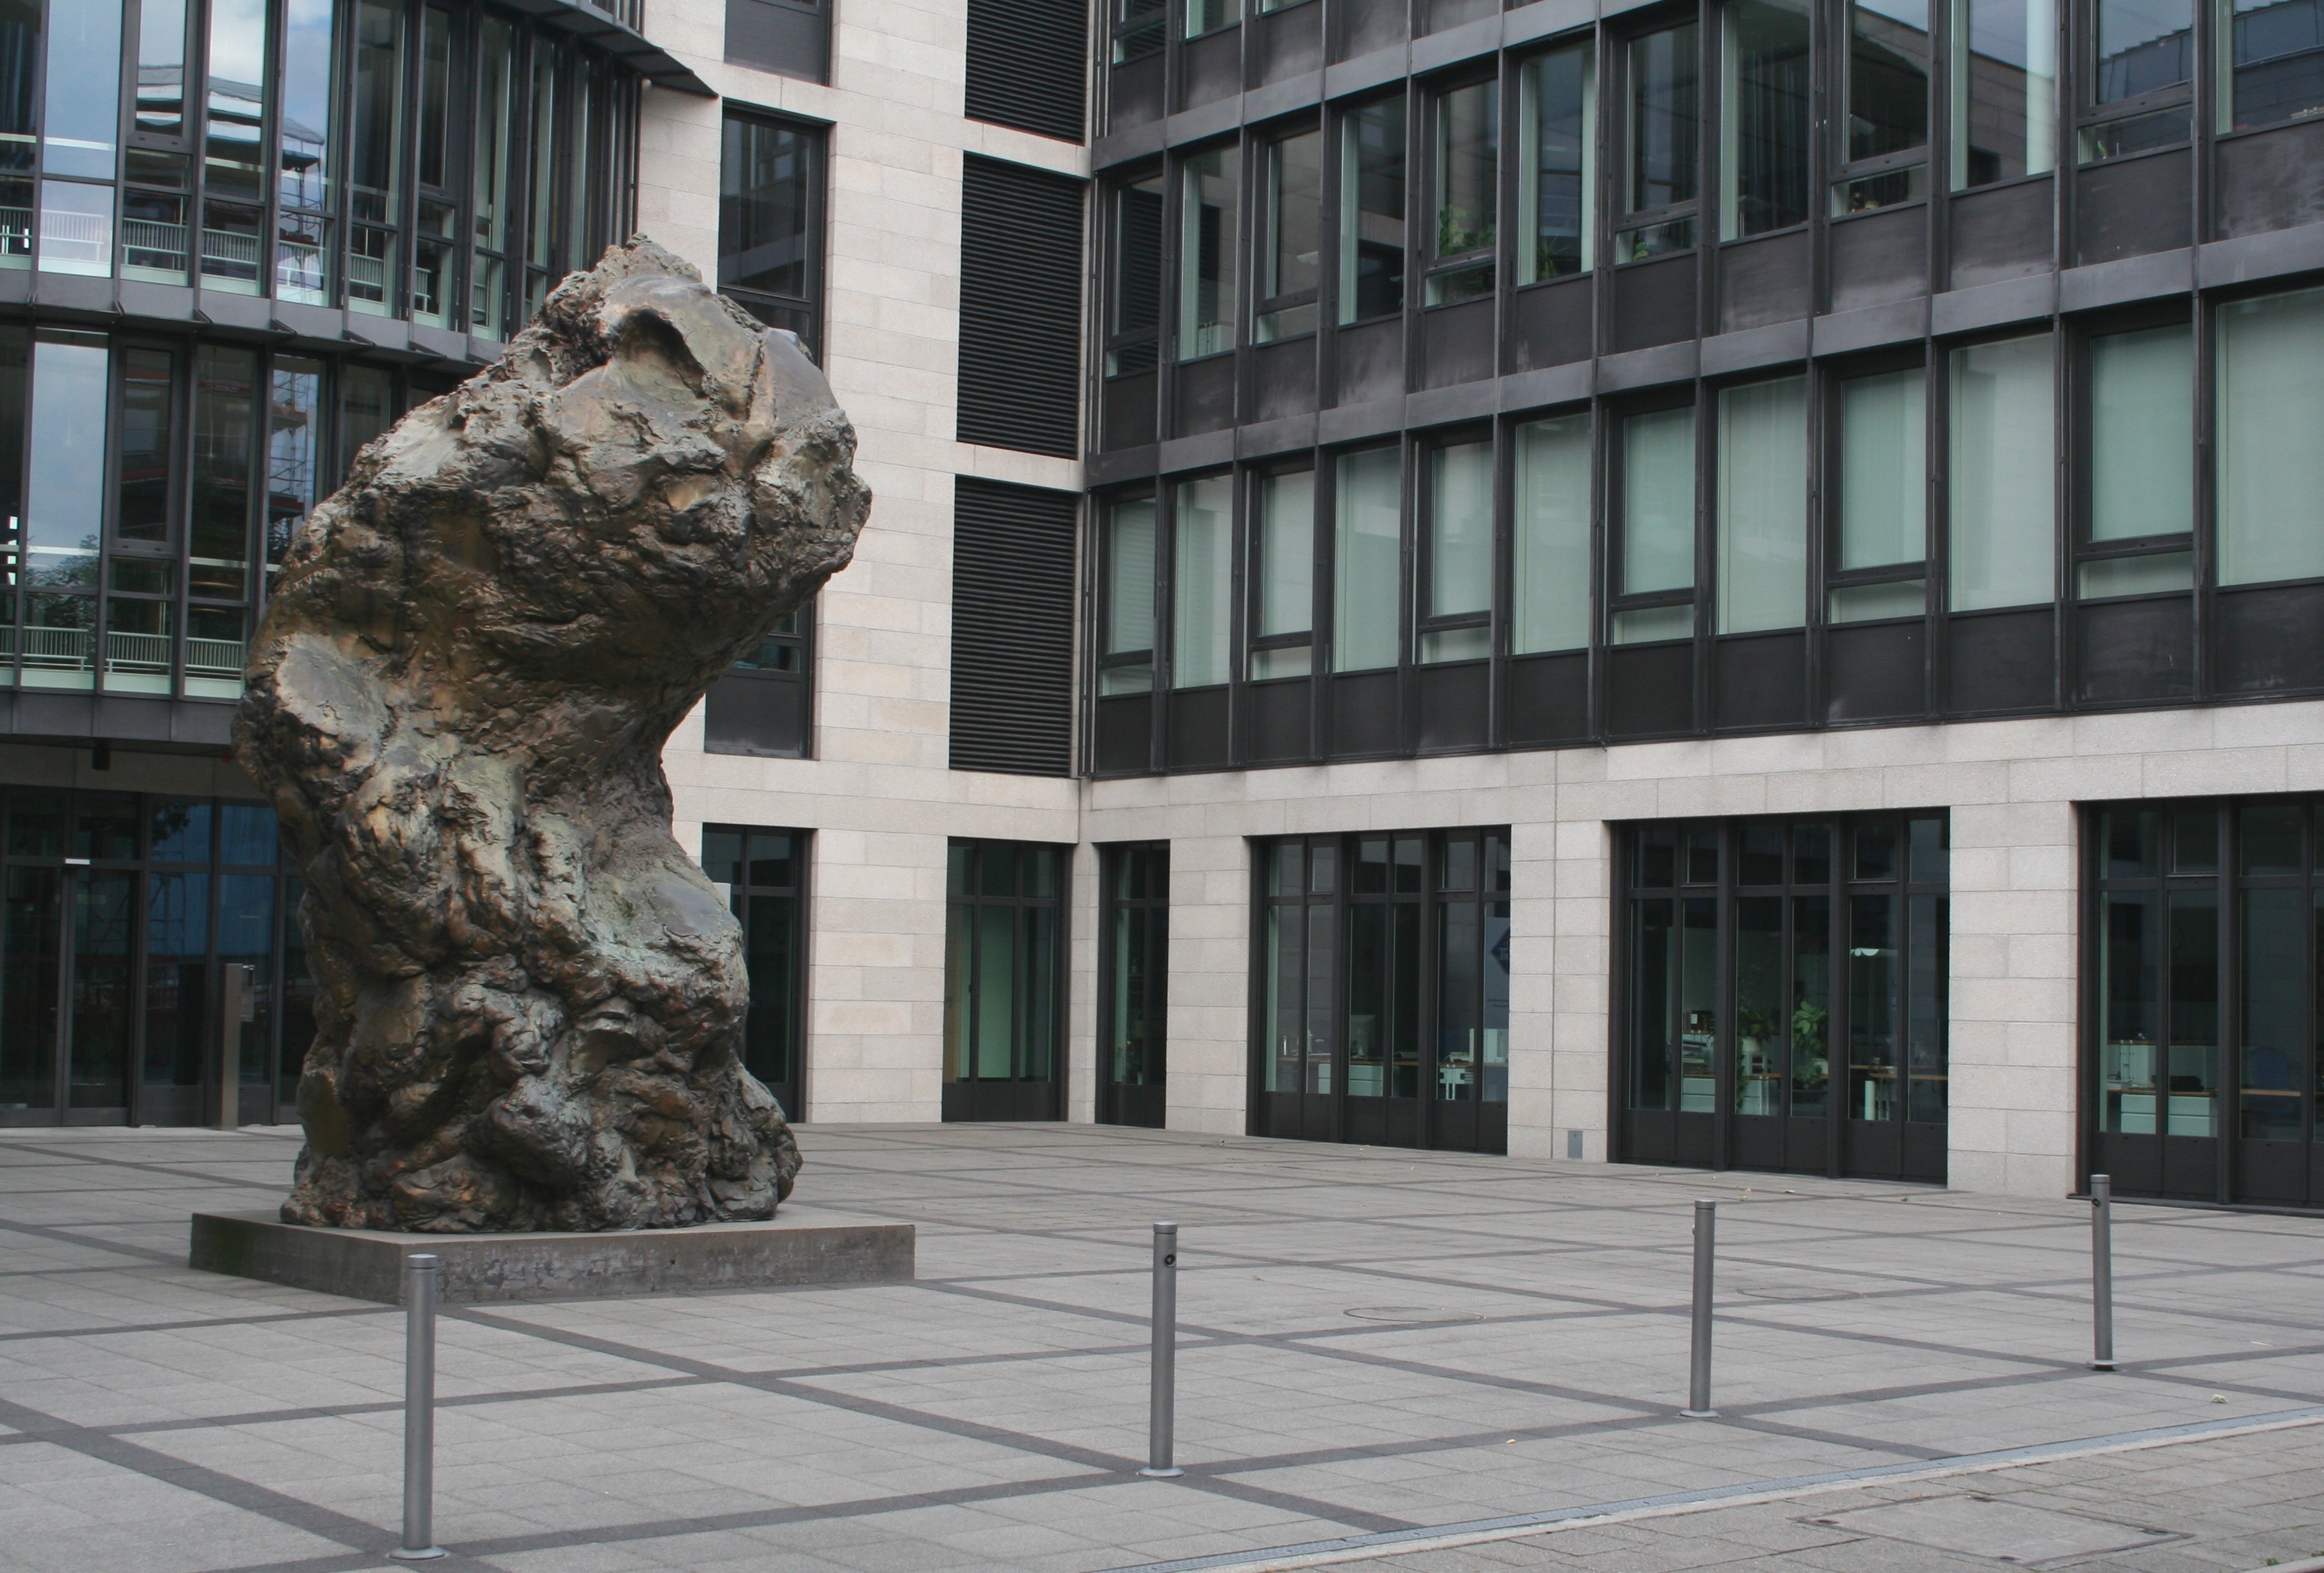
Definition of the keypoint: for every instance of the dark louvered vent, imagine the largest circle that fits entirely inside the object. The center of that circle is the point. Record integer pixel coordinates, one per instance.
(1027, 65)
(1020, 307)
(1012, 628)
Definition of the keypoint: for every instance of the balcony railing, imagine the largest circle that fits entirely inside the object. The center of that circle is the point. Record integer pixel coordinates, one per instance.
(68, 649)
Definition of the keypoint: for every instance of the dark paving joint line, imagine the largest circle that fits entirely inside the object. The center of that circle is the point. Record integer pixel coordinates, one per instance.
(65, 1237)
(1555, 1517)
(191, 1323)
(276, 1186)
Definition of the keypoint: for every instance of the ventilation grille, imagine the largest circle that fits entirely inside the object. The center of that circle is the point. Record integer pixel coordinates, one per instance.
(1027, 65)
(1020, 308)
(1012, 628)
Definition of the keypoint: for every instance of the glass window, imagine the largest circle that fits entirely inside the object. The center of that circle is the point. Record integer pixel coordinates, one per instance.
(1209, 15)
(1763, 506)
(2004, 475)
(491, 151)
(1888, 70)
(1550, 543)
(1557, 127)
(1764, 117)
(2004, 91)
(2274, 64)
(1371, 212)
(1203, 582)
(1882, 433)
(1658, 535)
(1129, 597)
(1136, 297)
(302, 157)
(65, 499)
(1460, 551)
(1662, 143)
(2142, 434)
(83, 96)
(1285, 575)
(1467, 193)
(770, 174)
(1206, 232)
(1002, 939)
(2271, 408)
(2140, 47)
(141, 492)
(1291, 253)
(1367, 551)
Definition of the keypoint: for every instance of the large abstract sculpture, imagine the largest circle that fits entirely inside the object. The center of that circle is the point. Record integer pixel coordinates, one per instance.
(530, 999)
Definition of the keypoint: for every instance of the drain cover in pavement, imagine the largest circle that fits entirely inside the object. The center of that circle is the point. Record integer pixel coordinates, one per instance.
(1412, 1313)
(2003, 1530)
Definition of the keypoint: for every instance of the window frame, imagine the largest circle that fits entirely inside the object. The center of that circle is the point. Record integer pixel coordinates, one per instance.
(815, 137)
(1526, 230)
(1660, 222)
(1614, 524)
(1843, 173)
(2080, 389)
(2091, 117)
(1924, 568)
(1149, 658)
(1442, 270)
(1345, 226)
(1489, 618)
(1253, 644)
(1267, 239)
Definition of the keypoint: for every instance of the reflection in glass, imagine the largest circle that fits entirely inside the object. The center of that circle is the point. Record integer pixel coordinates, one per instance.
(1810, 1012)
(177, 971)
(2276, 65)
(1873, 1004)
(64, 495)
(1468, 188)
(1207, 244)
(2140, 46)
(1557, 151)
(2006, 101)
(1291, 254)
(1763, 505)
(1137, 301)
(2274, 944)
(1285, 953)
(1662, 121)
(1759, 1005)
(1550, 544)
(1371, 188)
(30, 997)
(293, 449)
(766, 174)
(1203, 582)
(76, 229)
(2130, 1011)
(1763, 129)
(2194, 1022)
(97, 1050)
(1888, 69)
(489, 154)
(82, 87)
(142, 492)
(2004, 475)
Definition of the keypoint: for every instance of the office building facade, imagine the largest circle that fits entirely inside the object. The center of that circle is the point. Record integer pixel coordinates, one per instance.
(1734, 585)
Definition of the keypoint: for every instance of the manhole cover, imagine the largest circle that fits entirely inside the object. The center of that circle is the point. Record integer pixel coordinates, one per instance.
(1793, 1291)
(1412, 1313)
(1998, 1530)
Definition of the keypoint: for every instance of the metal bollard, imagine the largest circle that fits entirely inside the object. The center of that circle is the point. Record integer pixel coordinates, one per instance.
(1697, 1380)
(2102, 1273)
(1162, 1398)
(418, 1411)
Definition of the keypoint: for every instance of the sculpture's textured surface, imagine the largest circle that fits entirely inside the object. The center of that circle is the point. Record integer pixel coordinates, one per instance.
(530, 998)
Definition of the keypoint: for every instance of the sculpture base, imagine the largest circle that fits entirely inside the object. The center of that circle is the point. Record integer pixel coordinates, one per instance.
(796, 1247)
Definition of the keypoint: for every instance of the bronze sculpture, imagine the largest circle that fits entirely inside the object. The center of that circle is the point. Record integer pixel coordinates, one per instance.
(530, 998)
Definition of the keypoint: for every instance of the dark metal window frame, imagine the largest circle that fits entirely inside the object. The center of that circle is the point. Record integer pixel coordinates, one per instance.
(1432, 264)
(2283, 1173)
(1617, 130)
(1424, 548)
(1338, 1121)
(1028, 1097)
(808, 308)
(1613, 434)
(1715, 1144)
(1266, 228)
(1928, 566)
(739, 894)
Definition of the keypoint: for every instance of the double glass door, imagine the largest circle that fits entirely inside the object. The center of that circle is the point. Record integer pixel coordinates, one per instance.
(1384, 989)
(2205, 1002)
(1782, 996)
(121, 913)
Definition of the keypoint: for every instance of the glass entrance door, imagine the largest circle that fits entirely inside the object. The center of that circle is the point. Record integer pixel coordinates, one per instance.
(764, 873)
(1004, 942)
(1782, 990)
(1383, 1006)
(2204, 1001)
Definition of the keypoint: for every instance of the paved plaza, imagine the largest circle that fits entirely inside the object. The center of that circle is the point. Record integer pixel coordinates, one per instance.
(1428, 1363)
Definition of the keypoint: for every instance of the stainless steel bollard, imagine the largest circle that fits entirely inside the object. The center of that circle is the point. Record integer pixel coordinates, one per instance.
(418, 1411)
(2102, 1273)
(1162, 1397)
(1698, 1379)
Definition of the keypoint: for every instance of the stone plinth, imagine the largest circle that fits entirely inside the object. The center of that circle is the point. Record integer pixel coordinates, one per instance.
(798, 1247)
